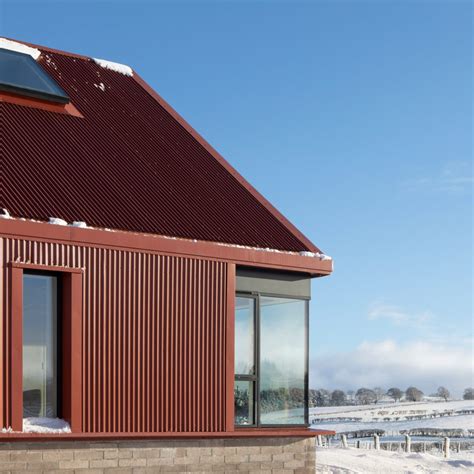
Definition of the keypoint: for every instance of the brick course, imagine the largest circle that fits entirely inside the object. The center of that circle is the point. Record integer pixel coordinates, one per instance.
(251, 455)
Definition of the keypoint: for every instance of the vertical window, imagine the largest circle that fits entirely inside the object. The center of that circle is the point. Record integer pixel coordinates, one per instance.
(244, 388)
(271, 360)
(282, 361)
(40, 345)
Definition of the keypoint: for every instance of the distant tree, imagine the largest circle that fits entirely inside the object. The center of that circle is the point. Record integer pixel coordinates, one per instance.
(395, 393)
(443, 392)
(379, 393)
(350, 395)
(364, 396)
(322, 397)
(468, 394)
(413, 394)
(338, 398)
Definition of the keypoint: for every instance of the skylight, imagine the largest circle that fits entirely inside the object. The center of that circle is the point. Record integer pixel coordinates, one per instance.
(20, 74)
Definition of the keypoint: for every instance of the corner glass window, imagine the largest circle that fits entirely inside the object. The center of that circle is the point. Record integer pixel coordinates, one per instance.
(271, 360)
(40, 361)
(21, 74)
(282, 361)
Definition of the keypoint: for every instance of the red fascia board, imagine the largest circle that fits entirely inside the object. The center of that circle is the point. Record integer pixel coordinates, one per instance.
(29, 230)
(68, 109)
(222, 161)
(240, 433)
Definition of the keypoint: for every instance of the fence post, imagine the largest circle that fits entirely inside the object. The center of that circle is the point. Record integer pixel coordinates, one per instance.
(446, 447)
(424, 447)
(344, 441)
(358, 444)
(407, 444)
(319, 440)
(376, 441)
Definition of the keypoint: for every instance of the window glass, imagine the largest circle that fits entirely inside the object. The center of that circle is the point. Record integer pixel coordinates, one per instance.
(39, 345)
(282, 361)
(244, 336)
(244, 402)
(21, 73)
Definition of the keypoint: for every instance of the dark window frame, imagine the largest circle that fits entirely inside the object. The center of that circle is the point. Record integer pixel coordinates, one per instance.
(256, 376)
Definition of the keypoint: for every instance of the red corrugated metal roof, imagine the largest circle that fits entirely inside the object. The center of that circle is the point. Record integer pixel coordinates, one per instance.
(130, 163)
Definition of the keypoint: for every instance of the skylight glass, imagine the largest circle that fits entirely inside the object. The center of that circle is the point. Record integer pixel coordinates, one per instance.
(20, 74)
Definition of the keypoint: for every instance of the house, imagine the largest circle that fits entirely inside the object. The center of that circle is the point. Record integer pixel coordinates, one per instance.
(149, 294)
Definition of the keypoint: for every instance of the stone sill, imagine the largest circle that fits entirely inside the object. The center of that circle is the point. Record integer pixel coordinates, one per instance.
(238, 433)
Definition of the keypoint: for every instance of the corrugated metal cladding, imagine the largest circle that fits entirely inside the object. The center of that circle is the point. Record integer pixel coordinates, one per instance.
(128, 164)
(153, 337)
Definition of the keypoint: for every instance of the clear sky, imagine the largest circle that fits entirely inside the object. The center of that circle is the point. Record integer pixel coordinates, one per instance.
(355, 119)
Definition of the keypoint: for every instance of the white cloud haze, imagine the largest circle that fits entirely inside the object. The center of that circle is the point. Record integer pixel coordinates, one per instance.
(398, 316)
(387, 363)
(454, 177)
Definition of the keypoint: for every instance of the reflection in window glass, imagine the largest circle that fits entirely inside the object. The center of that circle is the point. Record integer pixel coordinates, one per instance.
(244, 336)
(243, 402)
(282, 360)
(39, 346)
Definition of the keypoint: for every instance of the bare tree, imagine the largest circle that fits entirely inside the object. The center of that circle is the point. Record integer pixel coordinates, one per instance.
(468, 394)
(395, 393)
(338, 398)
(413, 394)
(443, 392)
(364, 396)
(379, 393)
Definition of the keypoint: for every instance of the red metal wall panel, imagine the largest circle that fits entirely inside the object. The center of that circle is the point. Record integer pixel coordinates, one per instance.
(154, 337)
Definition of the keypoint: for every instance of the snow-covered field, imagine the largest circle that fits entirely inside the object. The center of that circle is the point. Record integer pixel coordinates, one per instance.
(359, 461)
(392, 418)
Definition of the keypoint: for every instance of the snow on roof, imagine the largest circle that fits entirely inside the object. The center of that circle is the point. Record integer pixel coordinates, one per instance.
(57, 221)
(5, 214)
(20, 48)
(321, 256)
(117, 67)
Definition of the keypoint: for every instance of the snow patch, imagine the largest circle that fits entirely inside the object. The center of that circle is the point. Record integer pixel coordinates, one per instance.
(5, 214)
(352, 460)
(100, 86)
(321, 256)
(45, 425)
(20, 48)
(80, 224)
(57, 221)
(117, 67)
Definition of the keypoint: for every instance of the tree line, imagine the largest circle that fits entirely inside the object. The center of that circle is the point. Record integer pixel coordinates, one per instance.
(366, 396)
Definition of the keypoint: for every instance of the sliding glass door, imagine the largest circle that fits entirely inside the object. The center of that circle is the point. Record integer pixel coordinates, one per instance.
(40, 351)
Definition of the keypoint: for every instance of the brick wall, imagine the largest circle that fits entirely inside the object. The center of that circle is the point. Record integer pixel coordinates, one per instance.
(250, 455)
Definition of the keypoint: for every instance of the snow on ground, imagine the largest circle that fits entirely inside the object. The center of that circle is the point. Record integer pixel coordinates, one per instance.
(45, 425)
(368, 412)
(393, 417)
(361, 461)
(391, 427)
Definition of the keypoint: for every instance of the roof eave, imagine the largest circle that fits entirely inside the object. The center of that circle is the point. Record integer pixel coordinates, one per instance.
(29, 230)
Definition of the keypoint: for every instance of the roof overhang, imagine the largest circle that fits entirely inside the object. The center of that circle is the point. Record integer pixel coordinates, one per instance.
(91, 237)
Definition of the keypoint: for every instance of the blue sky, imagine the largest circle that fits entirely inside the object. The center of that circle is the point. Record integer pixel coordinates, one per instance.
(355, 120)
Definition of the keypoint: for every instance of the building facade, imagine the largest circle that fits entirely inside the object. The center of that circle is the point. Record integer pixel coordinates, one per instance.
(148, 293)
